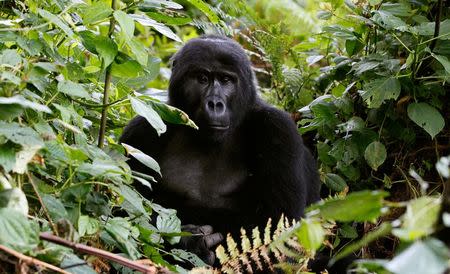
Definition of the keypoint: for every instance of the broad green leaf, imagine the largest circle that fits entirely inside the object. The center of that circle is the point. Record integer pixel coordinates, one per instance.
(75, 265)
(16, 231)
(375, 154)
(121, 231)
(444, 62)
(420, 218)
(427, 29)
(161, 28)
(353, 46)
(72, 89)
(87, 225)
(139, 51)
(132, 202)
(389, 21)
(57, 21)
(14, 199)
(149, 114)
(126, 23)
(206, 9)
(7, 157)
(54, 207)
(172, 114)
(107, 49)
(165, 4)
(401, 9)
(24, 136)
(430, 256)
(189, 257)
(170, 19)
(143, 158)
(96, 12)
(357, 206)
(377, 91)
(128, 69)
(169, 224)
(334, 182)
(311, 60)
(10, 57)
(20, 100)
(427, 117)
(310, 234)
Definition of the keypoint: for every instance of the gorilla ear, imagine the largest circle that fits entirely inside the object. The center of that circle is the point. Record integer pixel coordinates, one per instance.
(173, 60)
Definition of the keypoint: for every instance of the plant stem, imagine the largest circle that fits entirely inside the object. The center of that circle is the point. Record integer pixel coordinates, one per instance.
(108, 76)
(437, 25)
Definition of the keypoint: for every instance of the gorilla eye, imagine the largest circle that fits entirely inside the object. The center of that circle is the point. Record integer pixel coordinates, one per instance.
(225, 79)
(202, 78)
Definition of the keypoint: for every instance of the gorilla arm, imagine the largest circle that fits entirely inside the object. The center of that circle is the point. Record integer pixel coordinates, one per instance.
(286, 175)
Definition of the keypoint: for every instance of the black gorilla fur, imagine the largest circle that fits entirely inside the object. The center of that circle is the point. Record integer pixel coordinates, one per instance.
(246, 162)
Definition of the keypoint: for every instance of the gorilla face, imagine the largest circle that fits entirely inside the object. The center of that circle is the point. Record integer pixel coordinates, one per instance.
(213, 83)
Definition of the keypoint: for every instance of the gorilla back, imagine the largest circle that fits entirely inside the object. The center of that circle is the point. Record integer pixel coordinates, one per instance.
(246, 162)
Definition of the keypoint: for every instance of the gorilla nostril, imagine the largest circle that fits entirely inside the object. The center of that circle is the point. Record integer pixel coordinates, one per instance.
(211, 105)
(220, 106)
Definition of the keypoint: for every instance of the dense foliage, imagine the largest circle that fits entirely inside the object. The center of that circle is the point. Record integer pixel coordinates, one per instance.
(366, 81)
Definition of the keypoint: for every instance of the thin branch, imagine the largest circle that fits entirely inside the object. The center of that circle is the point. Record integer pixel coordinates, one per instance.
(31, 260)
(44, 208)
(150, 269)
(437, 25)
(108, 76)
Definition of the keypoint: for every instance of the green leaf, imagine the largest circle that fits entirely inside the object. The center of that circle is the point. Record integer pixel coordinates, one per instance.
(142, 157)
(377, 91)
(420, 218)
(7, 157)
(120, 230)
(149, 114)
(334, 182)
(72, 89)
(310, 234)
(165, 4)
(357, 206)
(87, 225)
(10, 57)
(107, 49)
(189, 257)
(14, 199)
(57, 21)
(96, 12)
(169, 223)
(139, 51)
(54, 207)
(128, 69)
(375, 154)
(21, 101)
(132, 200)
(173, 18)
(388, 21)
(24, 136)
(172, 114)
(206, 9)
(126, 23)
(430, 256)
(161, 28)
(353, 46)
(16, 231)
(444, 62)
(75, 265)
(427, 117)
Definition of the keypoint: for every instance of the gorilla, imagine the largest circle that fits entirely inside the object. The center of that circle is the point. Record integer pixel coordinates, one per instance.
(246, 162)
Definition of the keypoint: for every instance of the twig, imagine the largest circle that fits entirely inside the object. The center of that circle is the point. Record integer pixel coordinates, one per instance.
(44, 208)
(150, 269)
(108, 76)
(31, 260)
(437, 25)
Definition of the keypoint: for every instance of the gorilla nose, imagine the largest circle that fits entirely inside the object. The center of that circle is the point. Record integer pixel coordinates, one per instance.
(215, 106)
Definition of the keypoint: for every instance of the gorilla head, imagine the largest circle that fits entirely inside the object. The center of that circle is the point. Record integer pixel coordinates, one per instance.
(212, 81)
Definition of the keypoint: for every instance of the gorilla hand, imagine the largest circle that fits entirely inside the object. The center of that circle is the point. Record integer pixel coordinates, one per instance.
(201, 242)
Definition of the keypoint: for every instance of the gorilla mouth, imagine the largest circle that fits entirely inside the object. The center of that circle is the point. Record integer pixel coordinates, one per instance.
(218, 127)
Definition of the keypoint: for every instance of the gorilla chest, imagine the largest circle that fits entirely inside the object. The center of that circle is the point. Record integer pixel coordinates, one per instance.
(204, 180)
